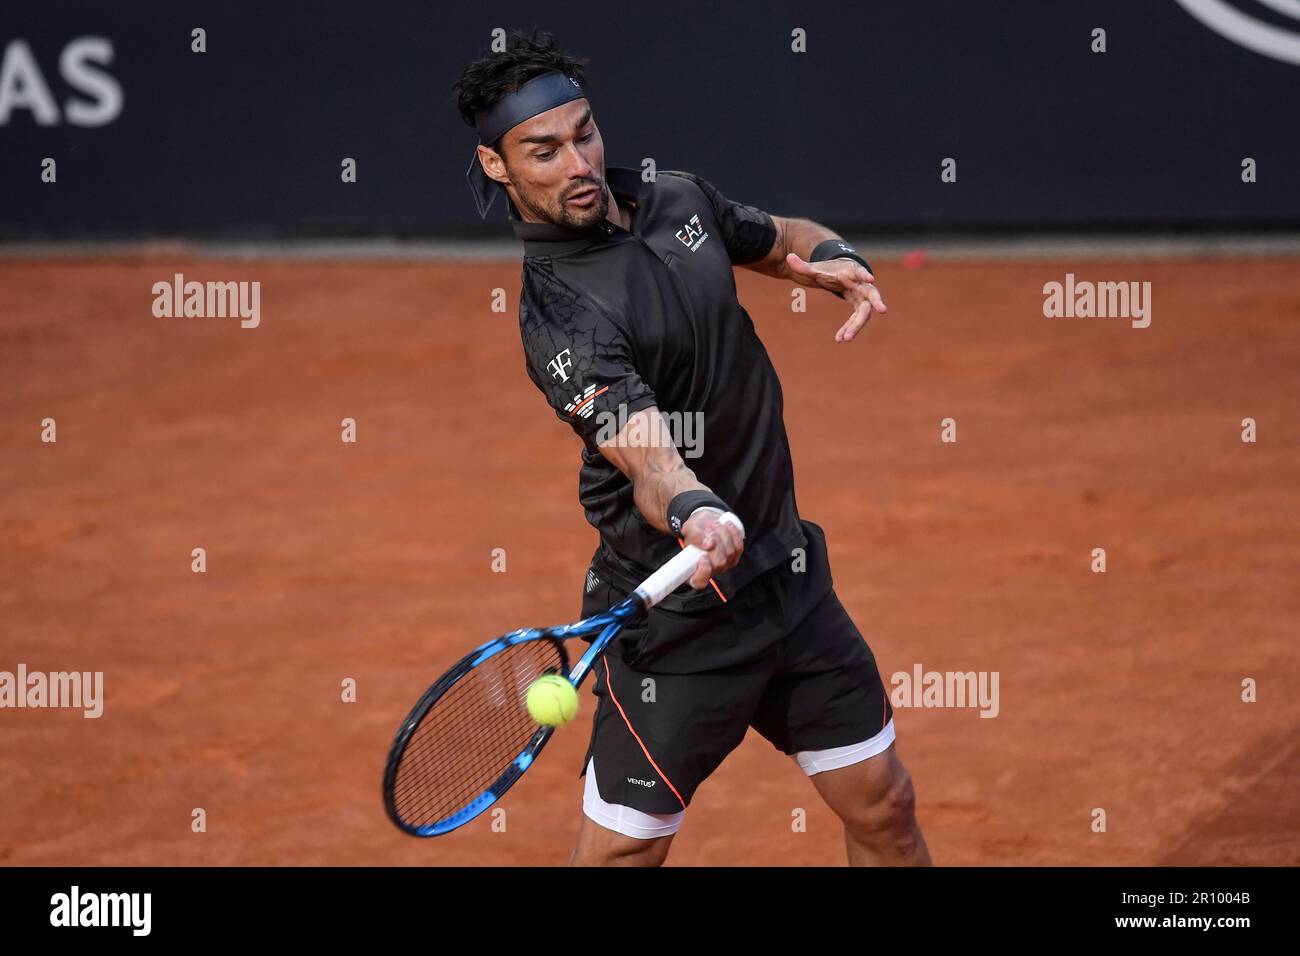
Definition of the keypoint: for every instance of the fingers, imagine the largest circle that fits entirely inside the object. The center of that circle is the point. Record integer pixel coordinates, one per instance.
(723, 546)
(799, 265)
(852, 279)
(872, 301)
(732, 541)
(840, 276)
(877, 300)
(703, 571)
(812, 274)
(856, 321)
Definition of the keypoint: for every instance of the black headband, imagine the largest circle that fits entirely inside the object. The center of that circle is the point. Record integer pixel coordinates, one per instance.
(538, 95)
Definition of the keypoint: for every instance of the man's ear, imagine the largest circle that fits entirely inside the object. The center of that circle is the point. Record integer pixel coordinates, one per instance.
(493, 164)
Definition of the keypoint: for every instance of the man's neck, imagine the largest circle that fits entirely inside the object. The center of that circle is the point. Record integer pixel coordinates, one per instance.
(619, 215)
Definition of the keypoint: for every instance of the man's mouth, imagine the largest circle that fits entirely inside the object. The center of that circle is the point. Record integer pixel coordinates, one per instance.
(584, 197)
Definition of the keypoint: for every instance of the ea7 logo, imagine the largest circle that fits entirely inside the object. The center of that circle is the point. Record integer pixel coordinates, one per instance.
(560, 364)
(641, 783)
(692, 235)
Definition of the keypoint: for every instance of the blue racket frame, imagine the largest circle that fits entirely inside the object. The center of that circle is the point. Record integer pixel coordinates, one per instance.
(604, 625)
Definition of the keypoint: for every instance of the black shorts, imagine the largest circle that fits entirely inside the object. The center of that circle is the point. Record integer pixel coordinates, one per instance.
(807, 681)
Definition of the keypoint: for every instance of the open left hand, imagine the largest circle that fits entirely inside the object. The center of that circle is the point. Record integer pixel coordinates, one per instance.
(849, 278)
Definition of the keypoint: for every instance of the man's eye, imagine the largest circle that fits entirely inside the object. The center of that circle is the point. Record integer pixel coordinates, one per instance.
(587, 137)
(546, 155)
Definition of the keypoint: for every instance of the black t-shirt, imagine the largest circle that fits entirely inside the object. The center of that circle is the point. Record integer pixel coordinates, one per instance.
(614, 321)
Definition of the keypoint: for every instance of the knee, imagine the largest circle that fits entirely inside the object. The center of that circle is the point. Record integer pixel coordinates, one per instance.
(624, 851)
(640, 853)
(889, 812)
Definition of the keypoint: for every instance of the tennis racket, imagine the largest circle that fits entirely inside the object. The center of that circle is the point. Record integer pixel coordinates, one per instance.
(470, 737)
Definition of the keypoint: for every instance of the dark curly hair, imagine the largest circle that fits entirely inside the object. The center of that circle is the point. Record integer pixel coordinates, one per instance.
(492, 76)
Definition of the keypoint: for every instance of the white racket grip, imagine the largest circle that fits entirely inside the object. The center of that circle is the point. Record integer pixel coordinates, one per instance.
(678, 570)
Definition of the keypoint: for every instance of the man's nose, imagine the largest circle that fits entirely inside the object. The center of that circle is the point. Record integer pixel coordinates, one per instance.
(579, 168)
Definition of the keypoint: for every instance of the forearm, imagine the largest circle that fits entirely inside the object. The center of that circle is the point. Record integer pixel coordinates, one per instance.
(839, 268)
(657, 484)
(659, 475)
(800, 236)
(644, 451)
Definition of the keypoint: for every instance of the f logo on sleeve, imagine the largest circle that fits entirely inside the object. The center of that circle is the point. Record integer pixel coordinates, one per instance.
(560, 365)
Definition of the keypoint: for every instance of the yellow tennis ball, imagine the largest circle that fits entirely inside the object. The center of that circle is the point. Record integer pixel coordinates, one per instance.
(552, 701)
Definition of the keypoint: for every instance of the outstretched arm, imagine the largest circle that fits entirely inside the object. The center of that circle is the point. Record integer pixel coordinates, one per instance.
(645, 453)
(787, 259)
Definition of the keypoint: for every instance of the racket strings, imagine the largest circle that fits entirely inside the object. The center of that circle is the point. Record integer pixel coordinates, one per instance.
(471, 734)
(484, 730)
(431, 785)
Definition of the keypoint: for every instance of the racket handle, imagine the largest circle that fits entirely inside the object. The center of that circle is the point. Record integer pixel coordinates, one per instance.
(678, 570)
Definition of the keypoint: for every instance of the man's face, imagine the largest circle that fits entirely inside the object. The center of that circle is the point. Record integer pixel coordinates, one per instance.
(553, 167)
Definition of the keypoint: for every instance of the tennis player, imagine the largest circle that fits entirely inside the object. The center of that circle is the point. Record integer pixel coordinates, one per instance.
(632, 330)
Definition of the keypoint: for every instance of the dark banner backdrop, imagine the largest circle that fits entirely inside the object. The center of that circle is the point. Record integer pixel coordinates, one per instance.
(248, 138)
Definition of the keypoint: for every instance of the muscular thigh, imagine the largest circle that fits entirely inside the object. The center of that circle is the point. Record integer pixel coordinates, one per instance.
(599, 846)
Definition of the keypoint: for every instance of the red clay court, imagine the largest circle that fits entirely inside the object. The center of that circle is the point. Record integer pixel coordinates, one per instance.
(372, 561)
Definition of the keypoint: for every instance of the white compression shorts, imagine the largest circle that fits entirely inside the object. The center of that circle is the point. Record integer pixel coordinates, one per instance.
(648, 826)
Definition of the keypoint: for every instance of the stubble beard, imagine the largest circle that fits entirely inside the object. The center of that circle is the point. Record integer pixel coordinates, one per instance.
(559, 213)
